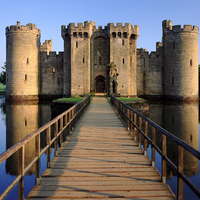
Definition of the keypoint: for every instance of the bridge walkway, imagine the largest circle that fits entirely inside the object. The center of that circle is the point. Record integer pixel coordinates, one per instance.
(100, 161)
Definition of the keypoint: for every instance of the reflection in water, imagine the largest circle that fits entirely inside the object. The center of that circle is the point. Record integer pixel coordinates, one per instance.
(21, 120)
(182, 121)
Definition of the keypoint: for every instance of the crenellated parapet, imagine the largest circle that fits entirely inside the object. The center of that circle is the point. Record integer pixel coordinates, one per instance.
(52, 54)
(125, 31)
(31, 28)
(46, 46)
(143, 53)
(82, 31)
(169, 29)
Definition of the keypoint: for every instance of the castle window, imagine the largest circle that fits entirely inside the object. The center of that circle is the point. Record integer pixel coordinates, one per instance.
(172, 80)
(80, 35)
(27, 60)
(76, 44)
(75, 34)
(123, 42)
(123, 60)
(25, 77)
(125, 34)
(99, 46)
(132, 36)
(190, 62)
(173, 45)
(25, 123)
(114, 35)
(119, 34)
(83, 60)
(172, 120)
(190, 138)
(100, 60)
(86, 35)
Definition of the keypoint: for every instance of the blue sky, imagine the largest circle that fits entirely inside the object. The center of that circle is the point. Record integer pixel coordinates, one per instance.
(50, 15)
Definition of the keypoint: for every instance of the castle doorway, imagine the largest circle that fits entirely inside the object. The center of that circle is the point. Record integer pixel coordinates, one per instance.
(100, 83)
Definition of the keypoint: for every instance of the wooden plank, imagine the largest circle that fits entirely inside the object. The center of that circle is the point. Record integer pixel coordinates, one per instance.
(105, 194)
(95, 188)
(101, 160)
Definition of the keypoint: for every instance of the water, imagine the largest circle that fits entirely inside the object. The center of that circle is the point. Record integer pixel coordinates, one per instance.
(18, 120)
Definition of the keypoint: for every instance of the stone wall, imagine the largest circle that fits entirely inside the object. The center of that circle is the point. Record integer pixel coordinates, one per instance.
(22, 57)
(150, 72)
(51, 74)
(181, 60)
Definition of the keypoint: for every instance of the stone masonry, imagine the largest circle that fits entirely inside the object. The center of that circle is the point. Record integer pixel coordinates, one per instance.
(34, 70)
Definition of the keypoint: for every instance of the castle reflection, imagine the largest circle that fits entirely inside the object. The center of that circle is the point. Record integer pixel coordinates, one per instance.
(21, 120)
(182, 120)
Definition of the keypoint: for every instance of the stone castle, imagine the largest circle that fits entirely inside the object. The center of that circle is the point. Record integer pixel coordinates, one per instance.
(97, 59)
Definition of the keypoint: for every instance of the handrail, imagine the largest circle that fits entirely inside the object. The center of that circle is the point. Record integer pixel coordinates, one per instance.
(131, 117)
(67, 119)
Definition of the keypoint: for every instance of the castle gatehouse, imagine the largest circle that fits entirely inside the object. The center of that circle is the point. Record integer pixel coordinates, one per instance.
(101, 59)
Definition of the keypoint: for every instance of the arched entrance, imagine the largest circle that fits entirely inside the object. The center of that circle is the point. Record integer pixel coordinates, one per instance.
(100, 83)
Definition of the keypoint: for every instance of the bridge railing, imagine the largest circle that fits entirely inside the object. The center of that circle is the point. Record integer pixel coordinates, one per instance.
(59, 125)
(134, 121)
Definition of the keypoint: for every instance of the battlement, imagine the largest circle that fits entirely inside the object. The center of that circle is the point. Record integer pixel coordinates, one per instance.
(143, 53)
(127, 28)
(80, 25)
(47, 42)
(52, 54)
(168, 28)
(28, 28)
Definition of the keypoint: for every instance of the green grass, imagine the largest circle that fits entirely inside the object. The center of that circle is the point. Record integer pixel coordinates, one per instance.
(71, 99)
(2, 89)
(125, 99)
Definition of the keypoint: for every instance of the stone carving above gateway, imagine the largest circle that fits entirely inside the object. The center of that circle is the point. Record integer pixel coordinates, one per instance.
(34, 70)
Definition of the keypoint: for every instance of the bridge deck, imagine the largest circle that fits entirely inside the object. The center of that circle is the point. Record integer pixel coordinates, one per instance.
(101, 160)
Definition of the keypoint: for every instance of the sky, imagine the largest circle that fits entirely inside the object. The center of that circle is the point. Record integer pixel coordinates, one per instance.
(50, 15)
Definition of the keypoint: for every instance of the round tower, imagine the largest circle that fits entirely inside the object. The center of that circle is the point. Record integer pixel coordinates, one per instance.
(22, 62)
(180, 60)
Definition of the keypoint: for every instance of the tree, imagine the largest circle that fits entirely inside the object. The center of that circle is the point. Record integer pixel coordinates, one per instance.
(3, 75)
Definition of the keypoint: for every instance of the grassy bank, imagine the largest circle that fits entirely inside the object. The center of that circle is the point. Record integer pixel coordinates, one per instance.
(71, 99)
(2, 89)
(128, 100)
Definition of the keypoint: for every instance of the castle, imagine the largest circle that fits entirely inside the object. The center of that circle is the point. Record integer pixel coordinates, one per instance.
(34, 71)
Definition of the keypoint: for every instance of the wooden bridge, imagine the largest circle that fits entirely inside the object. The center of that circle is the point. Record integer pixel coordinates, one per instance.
(101, 160)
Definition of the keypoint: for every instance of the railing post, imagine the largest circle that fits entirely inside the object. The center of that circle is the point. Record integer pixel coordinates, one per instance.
(37, 164)
(70, 125)
(140, 127)
(61, 129)
(131, 122)
(48, 134)
(128, 114)
(145, 140)
(153, 156)
(21, 171)
(135, 129)
(56, 140)
(164, 153)
(180, 170)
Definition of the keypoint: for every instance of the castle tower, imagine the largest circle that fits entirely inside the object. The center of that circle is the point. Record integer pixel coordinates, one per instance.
(183, 120)
(76, 78)
(21, 120)
(46, 46)
(22, 61)
(181, 60)
(123, 42)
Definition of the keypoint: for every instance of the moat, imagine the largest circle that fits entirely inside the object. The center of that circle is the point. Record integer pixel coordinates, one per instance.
(18, 120)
